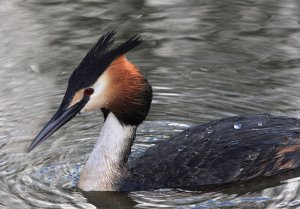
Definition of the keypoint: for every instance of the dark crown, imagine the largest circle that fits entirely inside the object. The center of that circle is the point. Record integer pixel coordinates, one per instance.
(96, 62)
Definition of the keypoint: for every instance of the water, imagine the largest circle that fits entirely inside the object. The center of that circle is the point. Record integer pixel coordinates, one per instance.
(205, 60)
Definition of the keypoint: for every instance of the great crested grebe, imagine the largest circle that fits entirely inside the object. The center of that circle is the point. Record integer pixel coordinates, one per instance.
(216, 153)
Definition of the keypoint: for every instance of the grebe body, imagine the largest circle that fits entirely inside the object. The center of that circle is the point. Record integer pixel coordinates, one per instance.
(230, 150)
(234, 149)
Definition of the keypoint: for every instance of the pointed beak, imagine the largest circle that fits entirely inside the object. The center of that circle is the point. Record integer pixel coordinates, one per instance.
(61, 117)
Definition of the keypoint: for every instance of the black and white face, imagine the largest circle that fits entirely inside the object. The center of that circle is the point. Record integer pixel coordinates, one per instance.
(104, 80)
(98, 99)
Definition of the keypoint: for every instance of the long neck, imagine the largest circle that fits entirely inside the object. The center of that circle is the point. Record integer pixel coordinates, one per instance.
(105, 166)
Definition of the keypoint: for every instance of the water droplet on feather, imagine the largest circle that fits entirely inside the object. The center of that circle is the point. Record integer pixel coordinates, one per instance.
(237, 126)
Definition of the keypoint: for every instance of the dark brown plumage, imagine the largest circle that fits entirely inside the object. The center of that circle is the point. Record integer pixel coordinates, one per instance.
(216, 153)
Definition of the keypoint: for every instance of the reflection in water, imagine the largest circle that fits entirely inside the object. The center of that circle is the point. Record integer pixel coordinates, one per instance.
(285, 195)
(205, 60)
(110, 200)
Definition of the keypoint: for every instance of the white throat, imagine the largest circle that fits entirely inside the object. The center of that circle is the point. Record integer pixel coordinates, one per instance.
(105, 166)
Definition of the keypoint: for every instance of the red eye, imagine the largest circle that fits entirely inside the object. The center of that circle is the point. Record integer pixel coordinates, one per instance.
(88, 91)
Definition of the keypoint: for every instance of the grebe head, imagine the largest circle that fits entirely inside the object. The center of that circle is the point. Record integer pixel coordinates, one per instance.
(104, 80)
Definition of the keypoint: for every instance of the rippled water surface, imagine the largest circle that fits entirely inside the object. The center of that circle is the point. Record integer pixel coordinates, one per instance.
(205, 60)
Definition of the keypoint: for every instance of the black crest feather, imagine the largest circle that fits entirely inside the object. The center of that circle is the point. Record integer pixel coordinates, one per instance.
(96, 62)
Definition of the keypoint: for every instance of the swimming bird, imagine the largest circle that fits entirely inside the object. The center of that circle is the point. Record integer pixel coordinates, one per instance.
(234, 149)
